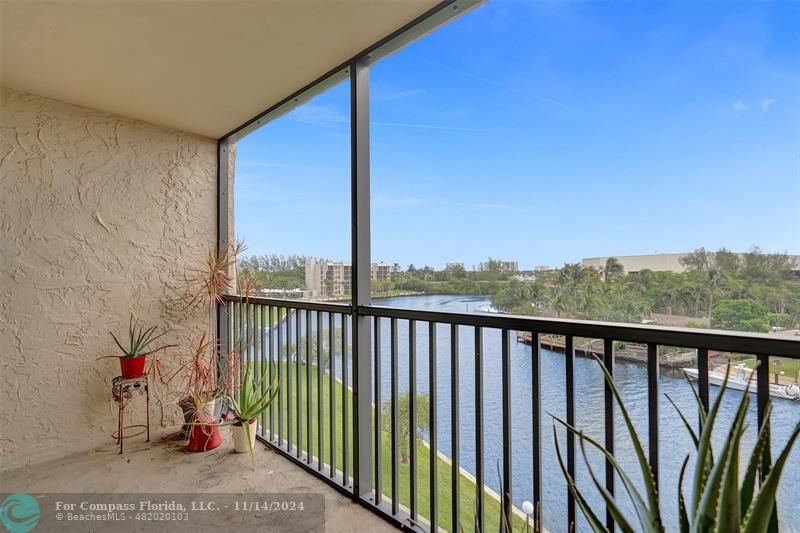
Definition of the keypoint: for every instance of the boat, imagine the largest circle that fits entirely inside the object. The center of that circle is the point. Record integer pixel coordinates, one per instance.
(487, 308)
(739, 378)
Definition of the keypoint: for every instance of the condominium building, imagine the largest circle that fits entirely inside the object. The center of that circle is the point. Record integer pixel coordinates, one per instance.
(328, 279)
(499, 266)
(450, 267)
(381, 271)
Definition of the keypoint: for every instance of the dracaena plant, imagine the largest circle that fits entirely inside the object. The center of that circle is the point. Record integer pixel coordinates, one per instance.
(717, 502)
(139, 340)
(203, 379)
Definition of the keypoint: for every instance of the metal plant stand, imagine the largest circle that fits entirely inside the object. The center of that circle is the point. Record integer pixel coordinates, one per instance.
(122, 390)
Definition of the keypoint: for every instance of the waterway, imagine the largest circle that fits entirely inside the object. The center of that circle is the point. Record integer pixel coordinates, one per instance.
(675, 443)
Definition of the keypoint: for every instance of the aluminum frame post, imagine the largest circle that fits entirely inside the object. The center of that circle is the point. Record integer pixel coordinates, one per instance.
(360, 248)
(226, 158)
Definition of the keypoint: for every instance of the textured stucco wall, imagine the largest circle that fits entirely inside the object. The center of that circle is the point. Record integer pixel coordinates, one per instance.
(100, 216)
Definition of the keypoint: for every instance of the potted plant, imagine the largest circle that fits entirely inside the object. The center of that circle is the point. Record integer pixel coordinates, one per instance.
(134, 354)
(204, 380)
(246, 402)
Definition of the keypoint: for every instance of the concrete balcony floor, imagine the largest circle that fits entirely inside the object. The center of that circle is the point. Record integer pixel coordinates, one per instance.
(163, 465)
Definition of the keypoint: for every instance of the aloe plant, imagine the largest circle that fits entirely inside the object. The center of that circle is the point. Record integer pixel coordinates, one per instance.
(139, 339)
(718, 502)
(251, 398)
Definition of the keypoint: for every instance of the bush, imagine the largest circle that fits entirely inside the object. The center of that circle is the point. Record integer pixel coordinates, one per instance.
(740, 315)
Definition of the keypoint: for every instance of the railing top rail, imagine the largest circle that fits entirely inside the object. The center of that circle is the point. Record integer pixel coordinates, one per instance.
(727, 341)
(333, 307)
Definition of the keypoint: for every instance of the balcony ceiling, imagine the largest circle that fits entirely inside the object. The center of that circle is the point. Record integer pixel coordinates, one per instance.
(202, 67)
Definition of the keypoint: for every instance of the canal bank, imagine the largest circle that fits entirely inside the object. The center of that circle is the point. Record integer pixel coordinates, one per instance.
(634, 353)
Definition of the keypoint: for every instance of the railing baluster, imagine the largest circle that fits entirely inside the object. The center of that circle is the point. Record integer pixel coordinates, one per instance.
(345, 406)
(480, 510)
(262, 362)
(272, 372)
(653, 371)
(395, 419)
(536, 427)
(702, 380)
(434, 477)
(506, 485)
(231, 309)
(309, 377)
(298, 329)
(454, 429)
(608, 361)
(569, 353)
(237, 311)
(412, 412)
(242, 339)
(251, 340)
(378, 414)
(762, 388)
(289, 383)
(283, 383)
(332, 389)
(320, 414)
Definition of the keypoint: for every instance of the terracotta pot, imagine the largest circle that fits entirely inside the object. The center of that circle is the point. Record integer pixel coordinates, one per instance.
(132, 367)
(244, 439)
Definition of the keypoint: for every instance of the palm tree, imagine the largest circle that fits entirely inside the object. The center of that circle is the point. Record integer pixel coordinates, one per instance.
(612, 270)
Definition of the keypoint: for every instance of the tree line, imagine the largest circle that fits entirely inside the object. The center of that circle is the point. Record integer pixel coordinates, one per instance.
(751, 292)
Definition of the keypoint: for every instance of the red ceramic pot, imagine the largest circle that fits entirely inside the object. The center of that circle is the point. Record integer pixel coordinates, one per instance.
(204, 438)
(132, 367)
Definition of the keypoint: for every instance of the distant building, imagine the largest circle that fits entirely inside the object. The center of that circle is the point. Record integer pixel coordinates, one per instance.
(654, 262)
(332, 279)
(328, 278)
(500, 266)
(542, 268)
(636, 263)
(450, 267)
(286, 294)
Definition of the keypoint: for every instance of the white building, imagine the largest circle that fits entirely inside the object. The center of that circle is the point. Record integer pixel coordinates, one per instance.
(654, 262)
(501, 266)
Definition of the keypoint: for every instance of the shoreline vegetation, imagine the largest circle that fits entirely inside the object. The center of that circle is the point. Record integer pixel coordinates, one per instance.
(754, 291)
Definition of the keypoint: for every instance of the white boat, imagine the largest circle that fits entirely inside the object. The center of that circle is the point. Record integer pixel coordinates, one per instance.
(739, 379)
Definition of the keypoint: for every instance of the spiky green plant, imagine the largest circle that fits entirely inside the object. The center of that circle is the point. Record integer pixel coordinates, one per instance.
(251, 398)
(139, 339)
(718, 503)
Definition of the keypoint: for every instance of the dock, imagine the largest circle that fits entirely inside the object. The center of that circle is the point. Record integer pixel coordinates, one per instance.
(635, 353)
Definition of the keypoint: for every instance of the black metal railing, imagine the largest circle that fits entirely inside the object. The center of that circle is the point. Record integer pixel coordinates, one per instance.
(311, 421)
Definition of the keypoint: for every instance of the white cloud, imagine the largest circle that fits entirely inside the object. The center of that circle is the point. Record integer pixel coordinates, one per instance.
(385, 96)
(765, 103)
(320, 114)
(738, 106)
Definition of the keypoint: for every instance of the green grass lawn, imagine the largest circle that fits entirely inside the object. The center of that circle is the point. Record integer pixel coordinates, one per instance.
(789, 367)
(468, 489)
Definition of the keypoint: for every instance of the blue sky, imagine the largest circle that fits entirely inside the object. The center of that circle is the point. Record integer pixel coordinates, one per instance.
(545, 132)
